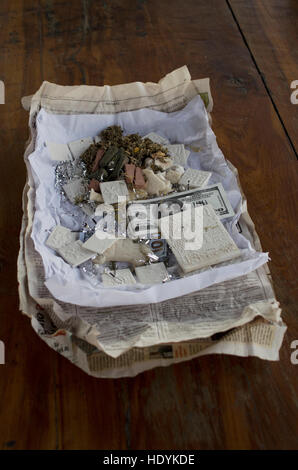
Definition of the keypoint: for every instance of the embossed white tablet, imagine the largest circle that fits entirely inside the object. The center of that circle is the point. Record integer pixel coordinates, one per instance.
(152, 273)
(111, 190)
(59, 152)
(60, 236)
(217, 246)
(103, 209)
(178, 153)
(195, 178)
(74, 253)
(158, 139)
(77, 147)
(98, 243)
(74, 188)
(119, 277)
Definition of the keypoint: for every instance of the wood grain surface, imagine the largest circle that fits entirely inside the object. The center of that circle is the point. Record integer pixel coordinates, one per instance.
(270, 31)
(246, 48)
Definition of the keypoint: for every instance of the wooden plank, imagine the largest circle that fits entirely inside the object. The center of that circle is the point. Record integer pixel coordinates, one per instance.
(213, 402)
(270, 29)
(27, 390)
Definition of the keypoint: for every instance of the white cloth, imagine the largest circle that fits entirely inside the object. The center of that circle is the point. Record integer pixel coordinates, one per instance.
(189, 126)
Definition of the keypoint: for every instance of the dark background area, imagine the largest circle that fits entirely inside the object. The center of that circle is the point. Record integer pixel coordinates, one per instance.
(249, 51)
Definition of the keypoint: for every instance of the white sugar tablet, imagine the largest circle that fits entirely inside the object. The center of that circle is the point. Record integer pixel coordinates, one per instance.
(217, 247)
(119, 277)
(152, 273)
(98, 243)
(74, 253)
(111, 190)
(195, 178)
(60, 236)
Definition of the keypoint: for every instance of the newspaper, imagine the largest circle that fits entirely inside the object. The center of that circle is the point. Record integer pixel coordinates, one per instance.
(239, 317)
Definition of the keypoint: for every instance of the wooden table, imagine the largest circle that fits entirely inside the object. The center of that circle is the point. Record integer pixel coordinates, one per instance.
(249, 50)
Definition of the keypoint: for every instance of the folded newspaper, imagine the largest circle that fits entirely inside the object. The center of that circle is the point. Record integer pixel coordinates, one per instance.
(140, 298)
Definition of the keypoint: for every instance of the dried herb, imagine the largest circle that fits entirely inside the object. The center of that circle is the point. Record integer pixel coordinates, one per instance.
(135, 147)
(118, 150)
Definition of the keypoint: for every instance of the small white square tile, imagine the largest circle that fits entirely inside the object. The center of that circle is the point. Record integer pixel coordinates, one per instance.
(151, 273)
(120, 277)
(111, 190)
(195, 178)
(60, 236)
(74, 253)
(59, 152)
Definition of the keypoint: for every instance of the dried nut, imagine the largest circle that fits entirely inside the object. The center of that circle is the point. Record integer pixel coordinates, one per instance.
(131, 195)
(141, 194)
(95, 197)
(158, 154)
(163, 164)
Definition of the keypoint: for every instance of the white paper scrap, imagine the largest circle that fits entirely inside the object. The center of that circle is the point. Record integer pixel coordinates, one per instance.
(60, 236)
(111, 190)
(195, 178)
(156, 138)
(77, 147)
(218, 246)
(59, 152)
(74, 253)
(152, 273)
(119, 277)
(178, 153)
